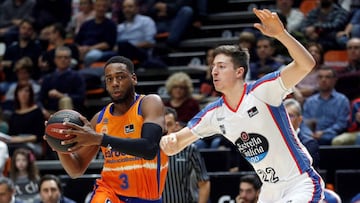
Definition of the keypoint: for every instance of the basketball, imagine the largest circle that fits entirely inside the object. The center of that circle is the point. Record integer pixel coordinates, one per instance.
(56, 121)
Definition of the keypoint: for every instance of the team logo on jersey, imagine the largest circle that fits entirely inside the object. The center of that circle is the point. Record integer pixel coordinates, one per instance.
(105, 121)
(107, 200)
(129, 128)
(252, 112)
(252, 146)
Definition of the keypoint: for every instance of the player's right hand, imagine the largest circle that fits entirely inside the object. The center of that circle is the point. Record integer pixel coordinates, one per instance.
(168, 144)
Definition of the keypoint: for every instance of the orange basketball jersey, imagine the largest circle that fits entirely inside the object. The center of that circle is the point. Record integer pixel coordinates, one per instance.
(128, 175)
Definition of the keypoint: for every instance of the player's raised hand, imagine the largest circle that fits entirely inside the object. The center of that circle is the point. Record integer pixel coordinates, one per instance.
(270, 25)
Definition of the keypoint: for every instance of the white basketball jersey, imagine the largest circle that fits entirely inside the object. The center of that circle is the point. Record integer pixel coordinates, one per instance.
(260, 128)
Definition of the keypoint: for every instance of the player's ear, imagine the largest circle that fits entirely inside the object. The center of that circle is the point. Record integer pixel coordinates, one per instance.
(240, 72)
(134, 79)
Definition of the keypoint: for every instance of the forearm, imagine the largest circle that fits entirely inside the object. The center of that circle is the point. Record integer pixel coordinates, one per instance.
(75, 164)
(204, 191)
(298, 52)
(145, 147)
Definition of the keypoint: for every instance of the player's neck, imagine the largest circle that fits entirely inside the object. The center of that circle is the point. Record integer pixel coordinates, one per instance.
(234, 95)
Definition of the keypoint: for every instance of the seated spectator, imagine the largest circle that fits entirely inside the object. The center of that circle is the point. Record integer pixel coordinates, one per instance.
(265, 50)
(25, 46)
(323, 22)
(294, 110)
(293, 15)
(249, 189)
(7, 191)
(86, 12)
(26, 123)
(64, 88)
(348, 80)
(23, 69)
(326, 112)
(171, 16)
(57, 37)
(180, 88)
(96, 37)
(136, 34)
(351, 30)
(51, 190)
(353, 131)
(247, 40)
(207, 91)
(12, 13)
(25, 175)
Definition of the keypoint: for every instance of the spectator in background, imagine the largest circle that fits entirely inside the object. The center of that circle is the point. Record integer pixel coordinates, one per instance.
(25, 46)
(64, 88)
(249, 189)
(309, 85)
(247, 40)
(136, 34)
(180, 88)
(7, 191)
(178, 179)
(25, 175)
(11, 15)
(326, 112)
(265, 50)
(26, 122)
(348, 80)
(293, 16)
(351, 30)
(51, 190)
(322, 23)
(171, 16)
(96, 37)
(294, 110)
(23, 69)
(353, 131)
(86, 12)
(57, 38)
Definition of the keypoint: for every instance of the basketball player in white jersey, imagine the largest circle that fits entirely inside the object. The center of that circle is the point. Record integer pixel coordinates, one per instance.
(254, 119)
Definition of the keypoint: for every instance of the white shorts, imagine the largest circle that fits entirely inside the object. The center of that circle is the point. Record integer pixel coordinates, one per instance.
(308, 187)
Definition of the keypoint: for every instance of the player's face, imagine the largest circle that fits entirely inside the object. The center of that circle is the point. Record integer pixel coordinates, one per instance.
(247, 193)
(224, 74)
(49, 192)
(119, 82)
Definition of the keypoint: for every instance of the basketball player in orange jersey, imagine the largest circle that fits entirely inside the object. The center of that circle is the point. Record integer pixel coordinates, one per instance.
(128, 131)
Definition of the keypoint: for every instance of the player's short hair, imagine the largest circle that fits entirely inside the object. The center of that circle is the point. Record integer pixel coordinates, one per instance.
(240, 56)
(121, 59)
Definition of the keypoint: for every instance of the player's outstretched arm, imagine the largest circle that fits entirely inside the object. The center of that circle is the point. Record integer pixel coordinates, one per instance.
(302, 62)
(175, 142)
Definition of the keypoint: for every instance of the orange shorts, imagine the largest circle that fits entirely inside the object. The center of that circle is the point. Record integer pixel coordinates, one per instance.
(103, 194)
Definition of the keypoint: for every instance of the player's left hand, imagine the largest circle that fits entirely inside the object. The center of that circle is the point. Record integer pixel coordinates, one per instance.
(84, 135)
(271, 24)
